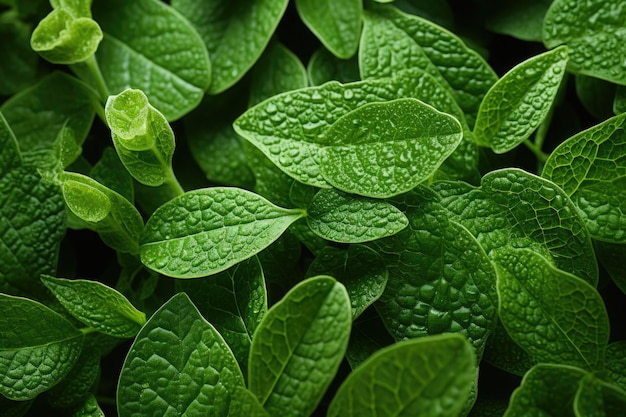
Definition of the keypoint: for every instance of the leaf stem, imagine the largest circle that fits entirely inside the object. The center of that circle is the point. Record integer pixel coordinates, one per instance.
(542, 157)
(87, 330)
(89, 72)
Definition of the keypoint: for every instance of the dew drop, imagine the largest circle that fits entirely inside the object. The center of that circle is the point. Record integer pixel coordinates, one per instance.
(316, 97)
(271, 108)
(348, 94)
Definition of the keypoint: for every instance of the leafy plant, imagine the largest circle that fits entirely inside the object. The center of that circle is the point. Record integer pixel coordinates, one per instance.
(429, 218)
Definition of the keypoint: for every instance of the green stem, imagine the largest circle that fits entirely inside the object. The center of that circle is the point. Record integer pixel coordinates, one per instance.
(542, 157)
(96, 75)
(87, 330)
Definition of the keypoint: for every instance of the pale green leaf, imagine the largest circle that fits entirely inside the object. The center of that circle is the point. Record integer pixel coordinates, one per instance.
(339, 217)
(96, 305)
(430, 376)
(234, 32)
(298, 347)
(336, 23)
(324, 66)
(206, 231)
(553, 315)
(385, 149)
(519, 101)
(594, 33)
(38, 347)
(148, 46)
(178, 364)
(599, 398)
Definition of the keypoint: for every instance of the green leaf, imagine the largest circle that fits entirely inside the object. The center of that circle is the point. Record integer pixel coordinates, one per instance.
(206, 231)
(596, 397)
(385, 149)
(298, 347)
(38, 347)
(142, 137)
(245, 404)
(234, 302)
(337, 24)
(619, 103)
(360, 269)
(339, 217)
(324, 66)
(502, 352)
(615, 362)
(611, 257)
(430, 376)
(178, 364)
(234, 32)
(553, 315)
(519, 101)
(520, 20)
(148, 46)
(591, 168)
(79, 382)
(594, 34)
(110, 172)
(393, 40)
(596, 96)
(96, 305)
(10, 158)
(40, 114)
(89, 409)
(515, 208)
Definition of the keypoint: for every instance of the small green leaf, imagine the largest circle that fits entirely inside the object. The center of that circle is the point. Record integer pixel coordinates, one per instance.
(234, 32)
(96, 305)
(149, 46)
(206, 231)
(298, 347)
(518, 102)
(430, 376)
(336, 23)
(594, 34)
(360, 269)
(89, 409)
(38, 347)
(324, 66)
(339, 217)
(76, 194)
(599, 398)
(553, 315)
(178, 364)
(385, 149)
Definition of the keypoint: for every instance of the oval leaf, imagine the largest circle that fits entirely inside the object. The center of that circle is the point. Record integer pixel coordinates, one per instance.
(298, 347)
(430, 376)
(206, 231)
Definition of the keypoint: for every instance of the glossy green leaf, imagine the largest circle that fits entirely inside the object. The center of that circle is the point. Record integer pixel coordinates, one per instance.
(515, 208)
(393, 40)
(298, 347)
(110, 172)
(519, 101)
(38, 116)
(553, 315)
(336, 23)
(234, 302)
(430, 376)
(96, 305)
(178, 364)
(502, 352)
(615, 363)
(385, 149)
(245, 404)
(339, 217)
(440, 279)
(148, 46)
(591, 168)
(359, 268)
(234, 32)
(38, 347)
(597, 397)
(288, 127)
(206, 231)
(324, 66)
(594, 34)
(90, 408)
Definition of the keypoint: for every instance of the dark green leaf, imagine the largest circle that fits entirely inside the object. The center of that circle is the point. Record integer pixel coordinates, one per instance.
(598, 398)
(89, 409)
(615, 363)
(110, 172)
(324, 66)
(523, 20)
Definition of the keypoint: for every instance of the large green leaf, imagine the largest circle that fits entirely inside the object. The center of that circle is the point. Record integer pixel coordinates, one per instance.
(298, 347)
(149, 46)
(553, 315)
(38, 347)
(206, 231)
(430, 376)
(178, 365)
(597, 397)
(594, 33)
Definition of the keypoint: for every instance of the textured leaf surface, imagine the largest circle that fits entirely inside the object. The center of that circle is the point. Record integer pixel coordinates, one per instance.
(178, 364)
(234, 32)
(79, 383)
(594, 33)
(429, 376)
(298, 347)
(385, 149)
(518, 102)
(38, 347)
(96, 305)
(360, 269)
(90, 408)
(591, 168)
(336, 23)
(206, 231)
(148, 46)
(553, 315)
(245, 404)
(339, 217)
(501, 351)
